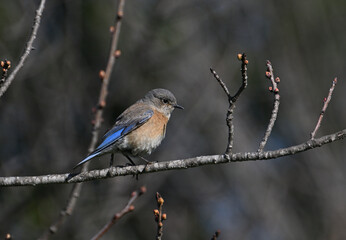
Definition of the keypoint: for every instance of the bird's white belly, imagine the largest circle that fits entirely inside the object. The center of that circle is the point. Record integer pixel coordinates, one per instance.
(142, 145)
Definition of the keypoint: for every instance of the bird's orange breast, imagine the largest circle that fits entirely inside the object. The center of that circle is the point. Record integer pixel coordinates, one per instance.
(148, 136)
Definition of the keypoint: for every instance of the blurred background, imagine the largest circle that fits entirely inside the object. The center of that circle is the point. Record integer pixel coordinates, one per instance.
(45, 116)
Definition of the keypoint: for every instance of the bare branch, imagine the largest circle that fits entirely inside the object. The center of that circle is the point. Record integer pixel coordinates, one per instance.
(216, 235)
(5, 65)
(28, 49)
(159, 216)
(113, 55)
(244, 63)
(324, 108)
(229, 117)
(274, 88)
(222, 84)
(170, 165)
(67, 211)
(232, 99)
(128, 208)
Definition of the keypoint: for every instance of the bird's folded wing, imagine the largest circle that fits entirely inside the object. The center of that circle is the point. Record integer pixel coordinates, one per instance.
(124, 126)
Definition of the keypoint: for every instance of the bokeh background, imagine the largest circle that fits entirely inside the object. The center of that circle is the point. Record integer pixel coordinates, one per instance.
(45, 116)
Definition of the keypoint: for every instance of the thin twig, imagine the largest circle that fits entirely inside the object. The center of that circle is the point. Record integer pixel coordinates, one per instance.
(170, 165)
(67, 211)
(244, 77)
(324, 108)
(232, 99)
(216, 235)
(27, 51)
(75, 192)
(5, 65)
(274, 89)
(128, 208)
(222, 84)
(229, 116)
(159, 216)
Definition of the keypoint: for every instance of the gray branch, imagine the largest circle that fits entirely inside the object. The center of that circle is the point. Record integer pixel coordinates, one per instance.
(28, 49)
(275, 90)
(170, 165)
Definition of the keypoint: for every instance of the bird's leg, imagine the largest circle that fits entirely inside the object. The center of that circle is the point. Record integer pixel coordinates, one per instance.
(133, 164)
(128, 158)
(111, 161)
(110, 164)
(146, 163)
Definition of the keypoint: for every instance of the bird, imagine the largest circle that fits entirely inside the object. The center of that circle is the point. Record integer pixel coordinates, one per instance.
(139, 129)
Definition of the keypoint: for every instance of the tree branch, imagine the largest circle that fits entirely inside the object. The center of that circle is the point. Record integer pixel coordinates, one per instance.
(324, 108)
(274, 88)
(105, 76)
(170, 165)
(216, 235)
(5, 65)
(127, 209)
(244, 77)
(29, 47)
(67, 211)
(222, 84)
(232, 99)
(159, 216)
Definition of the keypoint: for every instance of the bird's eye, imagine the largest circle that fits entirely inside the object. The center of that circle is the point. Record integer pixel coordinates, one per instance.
(165, 100)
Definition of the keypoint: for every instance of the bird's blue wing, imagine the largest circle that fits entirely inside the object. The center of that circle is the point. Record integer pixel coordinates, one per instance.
(122, 127)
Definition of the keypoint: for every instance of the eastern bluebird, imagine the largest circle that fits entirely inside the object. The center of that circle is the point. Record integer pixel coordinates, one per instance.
(140, 128)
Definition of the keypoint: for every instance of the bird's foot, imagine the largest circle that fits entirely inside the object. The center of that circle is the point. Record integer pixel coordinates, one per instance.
(71, 175)
(147, 164)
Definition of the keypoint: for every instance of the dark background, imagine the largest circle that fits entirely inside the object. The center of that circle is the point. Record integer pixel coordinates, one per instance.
(46, 113)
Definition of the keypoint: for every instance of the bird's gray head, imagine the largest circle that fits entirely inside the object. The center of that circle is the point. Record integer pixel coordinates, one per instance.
(163, 100)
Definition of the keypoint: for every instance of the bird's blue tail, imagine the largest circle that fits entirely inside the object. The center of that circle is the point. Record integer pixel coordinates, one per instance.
(88, 158)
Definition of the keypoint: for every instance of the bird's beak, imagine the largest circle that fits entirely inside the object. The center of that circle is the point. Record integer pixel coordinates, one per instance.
(178, 106)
